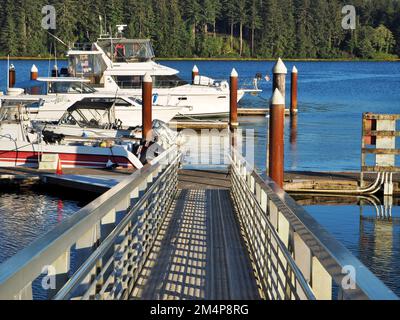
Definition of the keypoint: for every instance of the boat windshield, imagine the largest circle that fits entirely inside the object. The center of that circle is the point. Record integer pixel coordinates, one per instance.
(88, 118)
(70, 87)
(128, 50)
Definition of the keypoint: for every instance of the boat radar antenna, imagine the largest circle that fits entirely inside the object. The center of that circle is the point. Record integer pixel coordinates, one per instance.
(121, 28)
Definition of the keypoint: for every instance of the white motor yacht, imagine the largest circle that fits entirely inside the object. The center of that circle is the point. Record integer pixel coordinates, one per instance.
(119, 64)
(57, 94)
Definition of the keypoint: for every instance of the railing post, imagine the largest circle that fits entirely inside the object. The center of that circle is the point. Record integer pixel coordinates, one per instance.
(321, 281)
(54, 72)
(279, 81)
(61, 268)
(147, 97)
(276, 139)
(293, 99)
(195, 73)
(25, 294)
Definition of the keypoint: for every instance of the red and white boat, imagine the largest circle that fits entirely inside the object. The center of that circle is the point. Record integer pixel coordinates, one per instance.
(21, 145)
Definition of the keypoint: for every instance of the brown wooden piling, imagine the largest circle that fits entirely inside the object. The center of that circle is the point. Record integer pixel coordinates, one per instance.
(293, 100)
(276, 138)
(54, 72)
(147, 101)
(233, 113)
(34, 73)
(279, 82)
(12, 76)
(195, 73)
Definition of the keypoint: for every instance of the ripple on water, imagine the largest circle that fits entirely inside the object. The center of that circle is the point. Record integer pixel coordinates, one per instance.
(24, 217)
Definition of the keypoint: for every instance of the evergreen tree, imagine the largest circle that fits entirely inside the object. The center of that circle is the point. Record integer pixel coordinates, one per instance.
(289, 28)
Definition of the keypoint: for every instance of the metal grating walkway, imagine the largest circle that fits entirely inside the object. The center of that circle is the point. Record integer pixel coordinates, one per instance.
(199, 253)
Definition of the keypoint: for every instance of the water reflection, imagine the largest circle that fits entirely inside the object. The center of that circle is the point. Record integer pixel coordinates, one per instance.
(26, 216)
(368, 226)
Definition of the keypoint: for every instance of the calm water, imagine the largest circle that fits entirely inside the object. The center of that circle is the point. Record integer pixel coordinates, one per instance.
(26, 216)
(376, 242)
(332, 98)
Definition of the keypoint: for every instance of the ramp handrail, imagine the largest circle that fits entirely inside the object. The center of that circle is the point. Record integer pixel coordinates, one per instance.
(98, 252)
(293, 256)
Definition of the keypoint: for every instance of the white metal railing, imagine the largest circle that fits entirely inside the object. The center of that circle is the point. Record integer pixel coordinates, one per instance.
(292, 255)
(108, 240)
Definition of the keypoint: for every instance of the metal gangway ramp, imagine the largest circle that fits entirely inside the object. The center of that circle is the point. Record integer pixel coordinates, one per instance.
(154, 237)
(199, 253)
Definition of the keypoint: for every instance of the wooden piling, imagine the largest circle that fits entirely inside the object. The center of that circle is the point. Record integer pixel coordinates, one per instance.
(54, 72)
(12, 76)
(276, 138)
(293, 100)
(279, 82)
(34, 73)
(195, 73)
(233, 113)
(147, 101)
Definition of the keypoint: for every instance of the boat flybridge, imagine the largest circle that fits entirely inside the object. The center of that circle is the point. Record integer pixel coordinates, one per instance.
(119, 64)
(54, 95)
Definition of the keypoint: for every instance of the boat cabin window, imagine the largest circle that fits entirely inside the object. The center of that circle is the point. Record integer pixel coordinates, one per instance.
(119, 102)
(135, 82)
(70, 87)
(125, 50)
(89, 66)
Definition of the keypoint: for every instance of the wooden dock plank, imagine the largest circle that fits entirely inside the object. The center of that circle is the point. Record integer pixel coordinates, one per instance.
(199, 254)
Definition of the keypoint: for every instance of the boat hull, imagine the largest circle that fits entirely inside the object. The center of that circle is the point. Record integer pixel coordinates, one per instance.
(22, 154)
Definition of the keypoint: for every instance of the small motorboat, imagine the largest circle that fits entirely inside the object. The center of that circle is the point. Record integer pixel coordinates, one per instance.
(24, 144)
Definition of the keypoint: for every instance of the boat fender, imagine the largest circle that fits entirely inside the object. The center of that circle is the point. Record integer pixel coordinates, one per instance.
(155, 98)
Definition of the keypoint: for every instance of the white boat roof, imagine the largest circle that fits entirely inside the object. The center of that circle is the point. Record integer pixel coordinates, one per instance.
(140, 68)
(82, 52)
(62, 79)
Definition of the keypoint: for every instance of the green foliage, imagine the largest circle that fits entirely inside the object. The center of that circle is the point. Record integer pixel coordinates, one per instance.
(211, 28)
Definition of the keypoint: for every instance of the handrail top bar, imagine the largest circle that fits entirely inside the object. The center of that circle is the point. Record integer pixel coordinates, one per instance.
(27, 264)
(317, 237)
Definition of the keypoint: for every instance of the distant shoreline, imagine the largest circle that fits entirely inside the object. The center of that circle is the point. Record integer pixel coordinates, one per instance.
(226, 59)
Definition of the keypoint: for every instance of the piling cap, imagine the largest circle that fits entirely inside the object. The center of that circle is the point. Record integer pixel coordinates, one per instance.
(55, 67)
(294, 70)
(277, 98)
(280, 67)
(147, 78)
(234, 73)
(34, 69)
(195, 69)
(12, 67)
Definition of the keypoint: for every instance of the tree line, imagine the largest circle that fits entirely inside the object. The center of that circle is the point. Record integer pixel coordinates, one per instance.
(210, 28)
